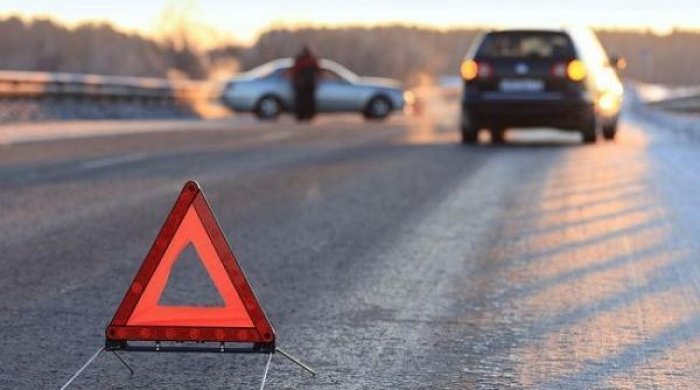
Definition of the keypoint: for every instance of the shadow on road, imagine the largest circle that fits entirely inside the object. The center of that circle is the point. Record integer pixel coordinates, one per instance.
(586, 287)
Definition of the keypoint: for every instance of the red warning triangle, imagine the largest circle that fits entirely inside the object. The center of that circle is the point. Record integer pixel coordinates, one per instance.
(140, 317)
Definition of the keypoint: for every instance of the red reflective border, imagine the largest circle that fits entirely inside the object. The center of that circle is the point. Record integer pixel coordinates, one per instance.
(175, 333)
(117, 330)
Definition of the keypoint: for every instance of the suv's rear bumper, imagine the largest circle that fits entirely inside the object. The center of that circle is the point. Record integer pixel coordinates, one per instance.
(559, 113)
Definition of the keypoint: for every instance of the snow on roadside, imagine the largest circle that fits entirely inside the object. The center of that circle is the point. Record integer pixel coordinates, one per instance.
(637, 99)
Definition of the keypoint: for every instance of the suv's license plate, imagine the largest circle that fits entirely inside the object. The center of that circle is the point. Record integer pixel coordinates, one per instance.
(521, 85)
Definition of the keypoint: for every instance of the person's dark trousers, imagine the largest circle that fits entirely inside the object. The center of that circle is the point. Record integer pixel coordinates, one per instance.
(305, 103)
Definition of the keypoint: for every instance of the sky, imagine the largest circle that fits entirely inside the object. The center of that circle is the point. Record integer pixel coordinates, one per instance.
(244, 20)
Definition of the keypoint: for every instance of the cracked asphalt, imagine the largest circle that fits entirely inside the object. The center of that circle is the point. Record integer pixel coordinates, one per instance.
(387, 256)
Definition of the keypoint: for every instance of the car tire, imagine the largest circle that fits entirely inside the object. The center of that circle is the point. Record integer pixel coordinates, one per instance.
(378, 108)
(589, 131)
(268, 108)
(470, 135)
(610, 131)
(498, 136)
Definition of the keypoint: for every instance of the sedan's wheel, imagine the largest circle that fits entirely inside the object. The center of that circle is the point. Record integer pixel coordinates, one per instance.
(268, 108)
(378, 108)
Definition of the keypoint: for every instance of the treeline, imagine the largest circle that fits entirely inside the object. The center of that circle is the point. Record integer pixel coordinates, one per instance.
(42, 45)
(405, 52)
(667, 59)
(392, 51)
(398, 51)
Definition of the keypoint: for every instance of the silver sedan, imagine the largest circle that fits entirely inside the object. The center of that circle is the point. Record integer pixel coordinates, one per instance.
(267, 91)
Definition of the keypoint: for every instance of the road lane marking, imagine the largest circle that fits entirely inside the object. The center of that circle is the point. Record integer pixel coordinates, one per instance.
(116, 160)
(17, 133)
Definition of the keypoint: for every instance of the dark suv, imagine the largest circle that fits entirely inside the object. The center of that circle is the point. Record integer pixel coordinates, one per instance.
(540, 78)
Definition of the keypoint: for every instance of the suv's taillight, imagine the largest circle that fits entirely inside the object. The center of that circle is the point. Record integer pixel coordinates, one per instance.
(576, 70)
(559, 70)
(573, 70)
(471, 70)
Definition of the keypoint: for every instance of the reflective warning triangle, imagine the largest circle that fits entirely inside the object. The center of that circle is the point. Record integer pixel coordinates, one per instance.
(140, 317)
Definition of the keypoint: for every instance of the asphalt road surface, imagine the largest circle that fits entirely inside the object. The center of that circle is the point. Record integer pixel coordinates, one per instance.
(387, 256)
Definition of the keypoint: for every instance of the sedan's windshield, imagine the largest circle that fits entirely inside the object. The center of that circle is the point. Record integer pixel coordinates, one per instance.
(264, 70)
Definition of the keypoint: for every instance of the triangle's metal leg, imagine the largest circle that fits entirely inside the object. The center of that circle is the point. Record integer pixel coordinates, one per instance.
(121, 359)
(296, 361)
(77, 373)
(267, 368)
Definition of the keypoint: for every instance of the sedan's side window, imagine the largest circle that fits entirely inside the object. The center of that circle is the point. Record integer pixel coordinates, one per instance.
(329, 75)
(283, 73)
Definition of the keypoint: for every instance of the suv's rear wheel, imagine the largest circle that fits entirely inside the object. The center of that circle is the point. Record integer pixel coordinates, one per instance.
(589, 131)
(470, 135)
(498, 135)
(609, 131)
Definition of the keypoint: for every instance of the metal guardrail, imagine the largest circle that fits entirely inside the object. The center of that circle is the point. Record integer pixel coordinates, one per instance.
(21, 84)
(678, 99)
(679, 104)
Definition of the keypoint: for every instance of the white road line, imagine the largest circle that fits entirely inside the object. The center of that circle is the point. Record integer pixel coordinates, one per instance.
(116, 160)
(17, 133)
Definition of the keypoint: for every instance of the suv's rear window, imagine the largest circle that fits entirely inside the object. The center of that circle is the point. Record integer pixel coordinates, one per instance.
(524, 44)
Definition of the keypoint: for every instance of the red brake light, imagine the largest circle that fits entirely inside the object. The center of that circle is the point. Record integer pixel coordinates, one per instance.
(559, 70)
(485, 70)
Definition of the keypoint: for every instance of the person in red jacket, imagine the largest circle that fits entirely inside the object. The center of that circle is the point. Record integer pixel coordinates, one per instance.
(304, 78)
